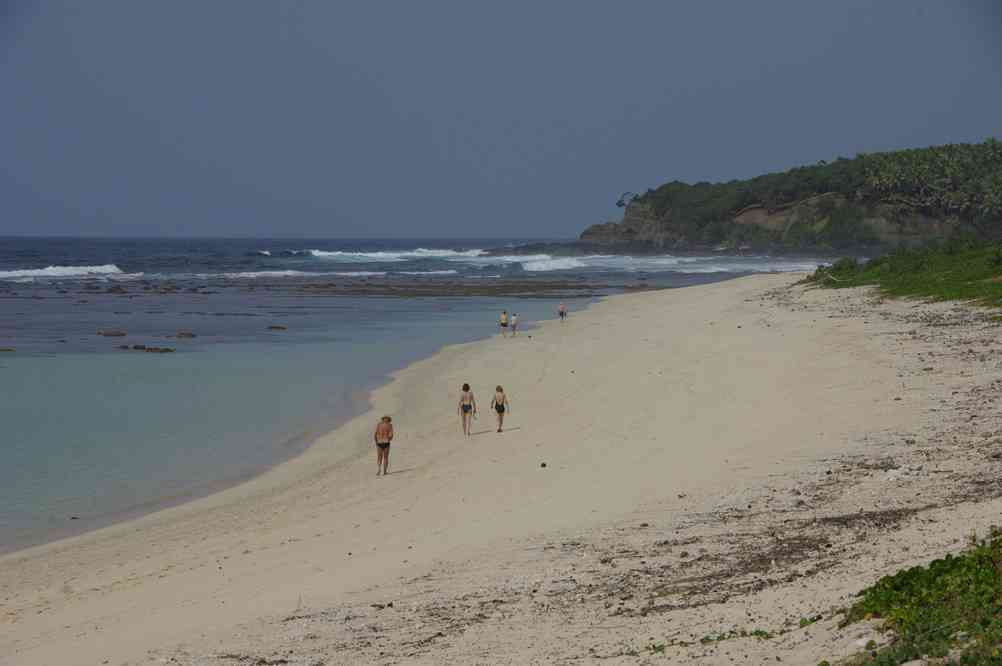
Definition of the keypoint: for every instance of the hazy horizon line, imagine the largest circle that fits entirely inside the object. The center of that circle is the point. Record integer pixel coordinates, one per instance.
(304, 238)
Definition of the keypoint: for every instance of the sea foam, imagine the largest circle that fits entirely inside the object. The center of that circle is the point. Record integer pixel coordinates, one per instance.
(62, 272)
(253, 275)
(402, 255)
(449, 272)
(553, 264)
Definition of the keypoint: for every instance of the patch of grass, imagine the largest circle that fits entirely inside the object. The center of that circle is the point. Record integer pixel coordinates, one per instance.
(808, 621)
(761, 634)
(954, 604)
(955, 270)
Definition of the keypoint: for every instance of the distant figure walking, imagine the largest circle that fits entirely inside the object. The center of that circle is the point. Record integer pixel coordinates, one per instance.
(383, 436)
(467, 409)
(501, 405)
(514, 324)
(503, 323)
(562, 312)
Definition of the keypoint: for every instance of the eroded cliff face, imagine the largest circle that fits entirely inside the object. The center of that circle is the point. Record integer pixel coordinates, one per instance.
(639, 225)
(808, 223)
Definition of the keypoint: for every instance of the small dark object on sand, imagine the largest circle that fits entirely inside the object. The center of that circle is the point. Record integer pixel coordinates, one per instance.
(542, 464)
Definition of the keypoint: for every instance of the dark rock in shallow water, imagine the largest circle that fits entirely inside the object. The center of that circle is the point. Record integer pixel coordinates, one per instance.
(278, 327)
(185, 334)
(7, 349)
(139, 347)
(112, 333)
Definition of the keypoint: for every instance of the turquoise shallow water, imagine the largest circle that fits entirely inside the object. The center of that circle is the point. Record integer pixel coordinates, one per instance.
(90, 434)
(92, 437)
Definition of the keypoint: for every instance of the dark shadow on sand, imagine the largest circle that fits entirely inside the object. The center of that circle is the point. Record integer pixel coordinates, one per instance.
(401, 471)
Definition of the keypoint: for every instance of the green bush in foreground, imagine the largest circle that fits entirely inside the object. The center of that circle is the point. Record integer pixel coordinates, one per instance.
(954, 604)
(955, 270)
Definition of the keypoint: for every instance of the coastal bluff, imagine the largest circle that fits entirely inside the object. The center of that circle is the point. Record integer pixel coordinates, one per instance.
(878, 200)
(783, 227)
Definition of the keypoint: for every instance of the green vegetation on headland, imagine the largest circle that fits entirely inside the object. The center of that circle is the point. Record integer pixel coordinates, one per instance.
(952, 270)
(891, 198)
(950, 610)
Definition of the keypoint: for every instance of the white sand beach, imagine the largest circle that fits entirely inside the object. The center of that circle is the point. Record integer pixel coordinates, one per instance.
(677, 463)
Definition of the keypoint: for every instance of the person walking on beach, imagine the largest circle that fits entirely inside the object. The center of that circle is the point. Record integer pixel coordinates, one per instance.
(501, 405)
(467, 409)
(514, 324)
(503, 323)
(562, 312)
(383, 436)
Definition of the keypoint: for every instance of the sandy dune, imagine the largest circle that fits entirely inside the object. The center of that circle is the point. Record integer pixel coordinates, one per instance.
(655, 414)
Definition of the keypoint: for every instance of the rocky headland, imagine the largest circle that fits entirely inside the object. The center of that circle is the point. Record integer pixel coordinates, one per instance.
(869, 203)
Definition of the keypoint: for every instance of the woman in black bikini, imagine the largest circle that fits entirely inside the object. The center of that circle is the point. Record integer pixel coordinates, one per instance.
(383, 437)
(501, 405)
(467, 409)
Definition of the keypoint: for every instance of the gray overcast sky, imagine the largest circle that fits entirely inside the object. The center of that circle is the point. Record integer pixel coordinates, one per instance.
(455, 119)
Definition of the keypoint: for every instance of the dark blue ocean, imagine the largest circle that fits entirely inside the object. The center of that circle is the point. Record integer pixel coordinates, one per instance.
(91, 433)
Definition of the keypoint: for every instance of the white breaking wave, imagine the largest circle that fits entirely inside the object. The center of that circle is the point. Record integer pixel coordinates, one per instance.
(487, 260)
(428, 272)
(558, 264)
(655, 264)
(252, 275)
(752, 267)
(63, 272)
(264, 253)
(403, 255)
